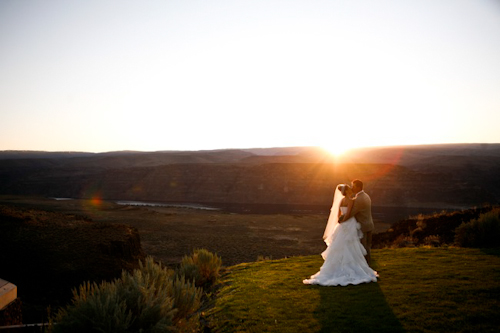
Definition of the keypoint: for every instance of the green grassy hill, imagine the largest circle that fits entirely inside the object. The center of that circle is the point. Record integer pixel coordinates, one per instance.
(419, 290)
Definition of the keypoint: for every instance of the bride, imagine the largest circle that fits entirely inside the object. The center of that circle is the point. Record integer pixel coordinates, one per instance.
(344, 256)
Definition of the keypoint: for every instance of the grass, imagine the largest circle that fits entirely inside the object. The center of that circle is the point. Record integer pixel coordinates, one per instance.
(419, 290)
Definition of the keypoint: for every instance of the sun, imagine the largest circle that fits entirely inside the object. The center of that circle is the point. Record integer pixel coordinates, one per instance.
(336, 149)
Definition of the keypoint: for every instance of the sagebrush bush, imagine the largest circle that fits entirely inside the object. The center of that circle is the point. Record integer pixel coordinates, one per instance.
(154, 284)
(185, 296)
(404, 241)
(433, 240)
(95, 308)
(481, 232)
(202, 267)
(189, 271)
(150, 299)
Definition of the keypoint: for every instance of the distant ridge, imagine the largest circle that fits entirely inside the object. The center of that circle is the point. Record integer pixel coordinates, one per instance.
(24, 154)
(436, 176)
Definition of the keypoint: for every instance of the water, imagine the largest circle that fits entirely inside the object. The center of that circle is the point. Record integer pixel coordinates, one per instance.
(160, 204)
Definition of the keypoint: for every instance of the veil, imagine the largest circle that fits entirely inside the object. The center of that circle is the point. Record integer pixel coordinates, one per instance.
(334, 216)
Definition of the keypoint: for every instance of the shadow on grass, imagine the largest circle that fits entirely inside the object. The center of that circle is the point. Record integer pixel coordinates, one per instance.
(361, 308)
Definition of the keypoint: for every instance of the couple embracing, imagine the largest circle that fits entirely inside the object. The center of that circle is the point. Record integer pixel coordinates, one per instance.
(348, 236)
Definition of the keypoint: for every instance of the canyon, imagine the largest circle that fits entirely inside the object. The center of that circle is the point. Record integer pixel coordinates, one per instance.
(455, 176)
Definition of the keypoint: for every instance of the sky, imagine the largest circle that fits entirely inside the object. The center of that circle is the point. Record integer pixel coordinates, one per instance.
(101, 76)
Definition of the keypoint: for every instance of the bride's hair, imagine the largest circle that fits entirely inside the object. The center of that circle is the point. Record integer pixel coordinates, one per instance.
(343, 188)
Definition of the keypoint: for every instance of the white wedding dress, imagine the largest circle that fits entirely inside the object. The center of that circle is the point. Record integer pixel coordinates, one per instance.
(344, 257)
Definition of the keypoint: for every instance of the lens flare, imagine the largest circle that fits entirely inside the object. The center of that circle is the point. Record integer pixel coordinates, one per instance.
(96, 201)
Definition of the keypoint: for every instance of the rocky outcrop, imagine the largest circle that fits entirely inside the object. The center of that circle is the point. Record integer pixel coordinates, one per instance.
(46, 254)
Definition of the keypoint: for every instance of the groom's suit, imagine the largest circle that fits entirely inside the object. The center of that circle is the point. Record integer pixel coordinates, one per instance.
(362, 211)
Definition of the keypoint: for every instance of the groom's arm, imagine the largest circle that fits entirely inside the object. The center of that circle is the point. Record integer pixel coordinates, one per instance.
(348, 214)
(359, 206)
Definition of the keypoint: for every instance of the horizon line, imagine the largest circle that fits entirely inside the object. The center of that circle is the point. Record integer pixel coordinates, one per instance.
(243, 149)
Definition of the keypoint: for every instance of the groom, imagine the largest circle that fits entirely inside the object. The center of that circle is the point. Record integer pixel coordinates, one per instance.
(362, 210)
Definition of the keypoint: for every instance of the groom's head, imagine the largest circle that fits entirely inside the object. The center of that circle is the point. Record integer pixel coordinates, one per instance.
(357, 186)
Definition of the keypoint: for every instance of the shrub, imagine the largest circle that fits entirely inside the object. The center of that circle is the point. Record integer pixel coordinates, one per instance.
(202, 267)
(187, 299)
(264, 258)
(404, 241)
(481, 232)
(433, 240)
(151, 286)
(95, 308)
(151, 299)
(189, 271)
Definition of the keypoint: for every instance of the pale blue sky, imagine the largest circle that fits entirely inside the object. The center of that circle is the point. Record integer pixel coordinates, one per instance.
(160, 75)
